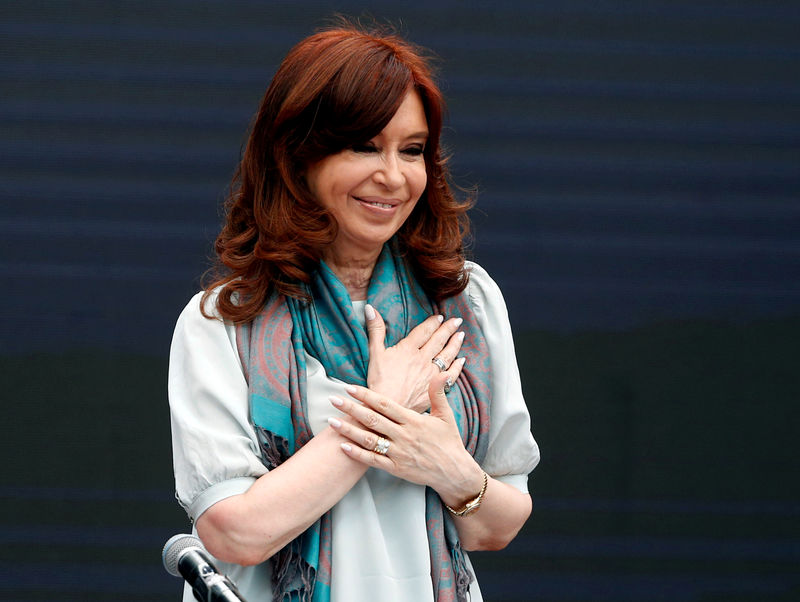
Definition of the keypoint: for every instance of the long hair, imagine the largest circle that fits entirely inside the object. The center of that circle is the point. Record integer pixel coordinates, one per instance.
(335, 89)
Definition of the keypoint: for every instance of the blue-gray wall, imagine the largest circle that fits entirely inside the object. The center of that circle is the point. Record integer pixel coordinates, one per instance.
(638, 174)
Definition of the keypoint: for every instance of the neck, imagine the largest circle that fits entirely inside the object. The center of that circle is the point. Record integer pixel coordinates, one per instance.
(354, 271)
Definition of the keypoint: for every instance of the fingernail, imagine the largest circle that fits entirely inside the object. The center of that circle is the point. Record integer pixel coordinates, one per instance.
(460, 336)
(369, 312)
(463, 360)
(458, 322)
(350, 389)
(336, 401)
(334, 423)
(440, 318)
(346, 447)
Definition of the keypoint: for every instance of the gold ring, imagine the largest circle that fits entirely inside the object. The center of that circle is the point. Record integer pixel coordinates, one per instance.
(381, 446)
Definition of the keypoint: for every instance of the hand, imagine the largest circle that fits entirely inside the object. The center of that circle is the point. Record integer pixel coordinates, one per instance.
(423, 448)
(404, 372)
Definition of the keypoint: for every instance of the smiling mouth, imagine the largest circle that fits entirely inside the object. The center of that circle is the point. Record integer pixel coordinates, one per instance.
(376, 204)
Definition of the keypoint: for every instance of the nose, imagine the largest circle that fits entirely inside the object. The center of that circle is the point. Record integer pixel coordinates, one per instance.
(390, 173)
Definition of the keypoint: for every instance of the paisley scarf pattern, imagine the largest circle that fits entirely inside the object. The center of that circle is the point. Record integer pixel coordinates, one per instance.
(272, 348)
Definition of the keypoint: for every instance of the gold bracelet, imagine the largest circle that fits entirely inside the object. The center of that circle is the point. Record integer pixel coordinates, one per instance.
(473, 505)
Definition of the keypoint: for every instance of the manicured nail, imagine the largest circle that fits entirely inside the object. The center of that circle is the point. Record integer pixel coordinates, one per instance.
(460, 336)
(463, 360)
(336, 401)
(369, 312)
(458, 322)
(346, 447)
(440, 318)
(350, 389)
(334, 423)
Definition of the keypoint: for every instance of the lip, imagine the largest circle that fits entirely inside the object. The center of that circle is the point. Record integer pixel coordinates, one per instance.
(379, 203)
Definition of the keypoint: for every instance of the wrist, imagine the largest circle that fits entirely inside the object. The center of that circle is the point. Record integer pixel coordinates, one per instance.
(472, 505)
(466, 490)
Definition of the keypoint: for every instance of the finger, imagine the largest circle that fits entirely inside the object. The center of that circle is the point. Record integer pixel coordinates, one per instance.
(380, 404)
(366, 439)
(368, 418)
(454, 371)
(439, 406)
(376, 329)
(423, 331)
(451, 349)
(440, 338)
(370, 458)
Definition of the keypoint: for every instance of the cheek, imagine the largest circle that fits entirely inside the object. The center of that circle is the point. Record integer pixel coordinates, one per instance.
(419, 182)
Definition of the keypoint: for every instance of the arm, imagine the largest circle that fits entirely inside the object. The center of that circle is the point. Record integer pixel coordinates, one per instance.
(243, 513)
(427, 449)
(503, 511)
(512, 451)
(249, 528)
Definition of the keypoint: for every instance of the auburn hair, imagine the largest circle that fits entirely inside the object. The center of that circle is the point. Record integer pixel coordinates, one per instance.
(335, 89)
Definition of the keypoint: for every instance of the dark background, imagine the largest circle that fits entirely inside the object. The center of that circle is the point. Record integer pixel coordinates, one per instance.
(638, 169)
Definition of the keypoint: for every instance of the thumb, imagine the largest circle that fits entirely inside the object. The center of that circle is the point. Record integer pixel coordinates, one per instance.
(376, 329)
(439, 405)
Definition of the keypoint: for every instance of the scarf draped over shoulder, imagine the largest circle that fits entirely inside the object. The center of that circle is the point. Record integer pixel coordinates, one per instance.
(273, 349)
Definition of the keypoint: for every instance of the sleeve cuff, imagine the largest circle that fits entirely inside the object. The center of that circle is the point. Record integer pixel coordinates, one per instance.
(517, 481)
(218, 492)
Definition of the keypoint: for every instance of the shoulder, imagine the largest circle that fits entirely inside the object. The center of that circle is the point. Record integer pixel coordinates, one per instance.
(200, 321)
(482, 290)
(200, 304)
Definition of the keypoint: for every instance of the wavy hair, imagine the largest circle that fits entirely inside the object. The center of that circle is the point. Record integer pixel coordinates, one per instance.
(335, 89)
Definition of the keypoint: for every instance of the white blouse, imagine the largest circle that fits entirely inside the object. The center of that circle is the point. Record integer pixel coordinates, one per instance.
(380, 546)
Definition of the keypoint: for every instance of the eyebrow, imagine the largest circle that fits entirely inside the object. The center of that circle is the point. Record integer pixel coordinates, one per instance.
(421, 134)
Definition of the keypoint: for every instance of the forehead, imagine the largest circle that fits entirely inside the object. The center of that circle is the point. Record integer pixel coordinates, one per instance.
(409, 119)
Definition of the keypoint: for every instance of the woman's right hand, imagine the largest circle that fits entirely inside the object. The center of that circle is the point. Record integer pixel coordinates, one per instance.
(404, 371)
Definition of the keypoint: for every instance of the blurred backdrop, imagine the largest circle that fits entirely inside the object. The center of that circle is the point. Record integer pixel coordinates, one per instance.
(638, 172)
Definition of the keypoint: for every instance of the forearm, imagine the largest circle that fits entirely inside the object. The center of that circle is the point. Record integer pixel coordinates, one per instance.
(498, 520)
(502, 512)
(249, 528)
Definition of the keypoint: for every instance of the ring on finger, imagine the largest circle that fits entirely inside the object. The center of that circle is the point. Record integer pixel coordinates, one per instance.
(440, 363)
(448, 385)
(381, 446)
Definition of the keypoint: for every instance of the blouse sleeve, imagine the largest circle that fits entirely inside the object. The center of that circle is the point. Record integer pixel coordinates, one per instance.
(215, 454)
(512, 453)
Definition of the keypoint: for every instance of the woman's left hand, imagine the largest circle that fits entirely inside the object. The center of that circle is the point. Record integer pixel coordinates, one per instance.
(422, 448)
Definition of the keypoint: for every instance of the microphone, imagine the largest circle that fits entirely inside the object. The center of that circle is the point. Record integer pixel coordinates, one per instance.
(184, 556)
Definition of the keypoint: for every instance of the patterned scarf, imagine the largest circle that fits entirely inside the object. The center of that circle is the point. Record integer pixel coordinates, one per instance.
(272, 348)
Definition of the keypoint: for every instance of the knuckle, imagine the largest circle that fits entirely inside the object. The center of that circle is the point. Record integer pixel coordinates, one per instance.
(370, 420)
(369, 441)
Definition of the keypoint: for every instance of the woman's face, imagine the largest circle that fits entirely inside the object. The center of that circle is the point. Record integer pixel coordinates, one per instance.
(372, 188)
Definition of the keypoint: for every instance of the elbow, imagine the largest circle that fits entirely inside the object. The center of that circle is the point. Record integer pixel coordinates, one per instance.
(498, 541)
(488, 542)
(219, 528)
(496, 536)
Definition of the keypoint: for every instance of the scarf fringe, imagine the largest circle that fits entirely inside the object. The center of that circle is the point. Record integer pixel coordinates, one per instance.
(463, 576)
(274, 449)
(292, 576)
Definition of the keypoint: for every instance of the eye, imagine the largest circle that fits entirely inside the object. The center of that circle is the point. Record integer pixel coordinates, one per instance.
(414, 151)
(365, 147)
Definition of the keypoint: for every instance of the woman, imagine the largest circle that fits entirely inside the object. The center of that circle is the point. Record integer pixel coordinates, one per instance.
(346, 409)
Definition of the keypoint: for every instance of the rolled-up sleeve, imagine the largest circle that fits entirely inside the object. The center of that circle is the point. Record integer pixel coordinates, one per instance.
(215, 454)
(513, 453)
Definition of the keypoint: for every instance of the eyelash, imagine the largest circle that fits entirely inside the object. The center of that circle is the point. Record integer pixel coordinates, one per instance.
(414, 151)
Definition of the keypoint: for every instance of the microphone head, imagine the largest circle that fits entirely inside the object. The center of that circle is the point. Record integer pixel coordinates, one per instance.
(175, 547)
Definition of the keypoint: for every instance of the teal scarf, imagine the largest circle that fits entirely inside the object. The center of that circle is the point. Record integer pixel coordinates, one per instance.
(272, 348)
